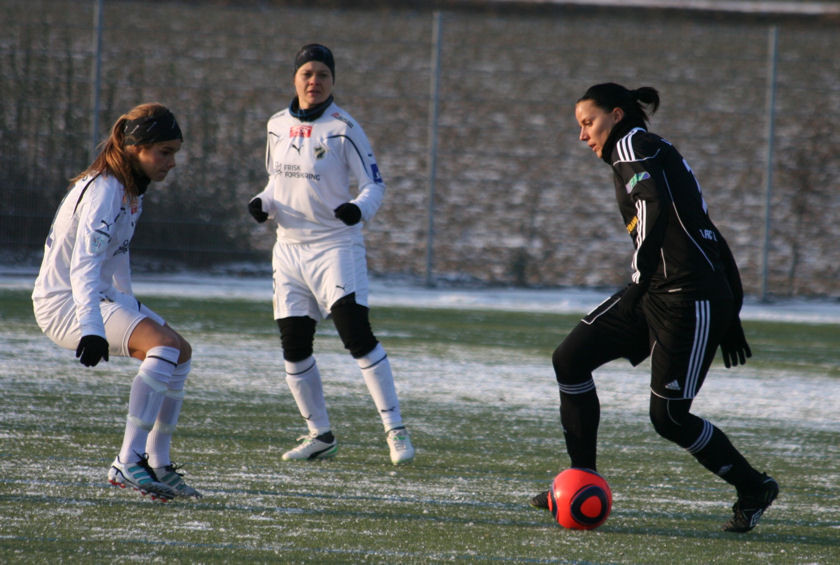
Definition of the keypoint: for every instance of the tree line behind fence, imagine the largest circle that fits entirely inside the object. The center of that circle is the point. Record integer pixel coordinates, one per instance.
(517, 198)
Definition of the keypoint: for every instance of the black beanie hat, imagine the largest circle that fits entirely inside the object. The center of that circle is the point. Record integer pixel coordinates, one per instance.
(315, 52)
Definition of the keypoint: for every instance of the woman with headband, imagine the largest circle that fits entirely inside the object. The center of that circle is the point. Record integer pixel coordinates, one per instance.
(83, 299)
(314, 151)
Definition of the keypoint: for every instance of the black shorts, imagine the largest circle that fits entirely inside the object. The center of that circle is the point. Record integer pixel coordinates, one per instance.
(680, 335)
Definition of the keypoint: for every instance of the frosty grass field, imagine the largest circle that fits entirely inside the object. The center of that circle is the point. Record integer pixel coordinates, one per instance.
(474, 373)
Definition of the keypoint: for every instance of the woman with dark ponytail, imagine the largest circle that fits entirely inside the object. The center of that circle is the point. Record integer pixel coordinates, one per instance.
(83, 299)
(682, 302)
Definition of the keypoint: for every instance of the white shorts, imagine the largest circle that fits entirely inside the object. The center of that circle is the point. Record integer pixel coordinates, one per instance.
(310, 277)
(57, 319)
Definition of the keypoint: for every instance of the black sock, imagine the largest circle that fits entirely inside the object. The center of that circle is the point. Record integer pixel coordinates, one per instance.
(580, 415)
(721, 458)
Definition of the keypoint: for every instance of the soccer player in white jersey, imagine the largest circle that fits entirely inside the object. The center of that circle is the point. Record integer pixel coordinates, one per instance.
(313, 153)
(83, 299)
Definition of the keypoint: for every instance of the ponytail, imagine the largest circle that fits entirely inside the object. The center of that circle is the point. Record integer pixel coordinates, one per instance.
(610, 95)
(648, 96)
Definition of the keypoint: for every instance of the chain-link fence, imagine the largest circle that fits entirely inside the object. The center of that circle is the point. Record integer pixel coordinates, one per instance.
(518, 199)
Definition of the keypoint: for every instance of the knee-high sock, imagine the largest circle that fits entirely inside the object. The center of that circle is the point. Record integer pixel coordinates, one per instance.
(147, 392)
(580, 414)
(304, 381)
(376, 370)
(160, 438)
(716, 453)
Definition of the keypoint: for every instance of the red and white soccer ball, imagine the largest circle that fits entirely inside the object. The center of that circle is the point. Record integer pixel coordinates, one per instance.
(580, 499)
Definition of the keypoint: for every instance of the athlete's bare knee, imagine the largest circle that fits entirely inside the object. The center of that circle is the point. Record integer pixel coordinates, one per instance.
(168, 338)
(149, 334)
(185, 348)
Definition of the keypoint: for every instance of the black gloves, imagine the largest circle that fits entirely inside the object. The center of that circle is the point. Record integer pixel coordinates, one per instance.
(348, 213)
(255, 209)
(92, 349)
(734, 346)
(627, 303)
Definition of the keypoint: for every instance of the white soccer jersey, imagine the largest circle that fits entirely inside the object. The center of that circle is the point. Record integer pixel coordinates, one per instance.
(86, 252)
(310, 165)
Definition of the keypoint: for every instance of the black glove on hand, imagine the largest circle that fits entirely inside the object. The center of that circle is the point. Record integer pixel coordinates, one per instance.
(92, 349)
(734, 346)
(255, 209)
(348, 213)
(627, 303)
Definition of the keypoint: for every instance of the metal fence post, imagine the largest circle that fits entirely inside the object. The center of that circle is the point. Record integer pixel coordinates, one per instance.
(96, 77)
(433, 116)
(772, 60)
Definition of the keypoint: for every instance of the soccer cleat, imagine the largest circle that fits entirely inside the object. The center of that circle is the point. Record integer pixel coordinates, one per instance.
(313, 446)
(540, 501)
(400, 446)
(170, 476)
(140, 477)
(749, 508)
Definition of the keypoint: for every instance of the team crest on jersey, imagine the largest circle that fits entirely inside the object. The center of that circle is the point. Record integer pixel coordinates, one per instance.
(98, 241)
(320, 151)
(300, 131)
(636, 179)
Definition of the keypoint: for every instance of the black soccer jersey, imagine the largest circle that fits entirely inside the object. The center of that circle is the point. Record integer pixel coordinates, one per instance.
(678, 250)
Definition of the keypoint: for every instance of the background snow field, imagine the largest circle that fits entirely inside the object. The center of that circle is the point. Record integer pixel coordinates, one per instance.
(479, 397)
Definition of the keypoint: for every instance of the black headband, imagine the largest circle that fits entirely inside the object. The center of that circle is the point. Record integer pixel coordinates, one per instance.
(152, 129)
(315, 52)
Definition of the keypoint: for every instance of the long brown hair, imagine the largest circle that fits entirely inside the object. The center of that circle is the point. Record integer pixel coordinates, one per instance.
(113, 159)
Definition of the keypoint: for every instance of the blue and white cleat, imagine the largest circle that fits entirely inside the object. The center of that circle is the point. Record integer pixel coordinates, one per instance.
(140, 477)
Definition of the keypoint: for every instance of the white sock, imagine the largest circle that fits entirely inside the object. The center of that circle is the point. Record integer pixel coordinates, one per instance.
(160, 438)
(304, 381)
(147, 392)
(376, 370)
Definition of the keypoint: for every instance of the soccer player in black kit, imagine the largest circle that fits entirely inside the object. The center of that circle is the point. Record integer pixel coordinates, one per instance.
(683, 301)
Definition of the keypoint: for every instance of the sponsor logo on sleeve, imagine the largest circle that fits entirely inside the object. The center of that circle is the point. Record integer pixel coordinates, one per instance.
(375, 170)
(338, 116)
(123, 248)
(636, 179)
(708, 234)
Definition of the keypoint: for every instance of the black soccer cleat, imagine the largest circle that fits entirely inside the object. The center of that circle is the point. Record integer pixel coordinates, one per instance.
(749, 508)
(540, 501)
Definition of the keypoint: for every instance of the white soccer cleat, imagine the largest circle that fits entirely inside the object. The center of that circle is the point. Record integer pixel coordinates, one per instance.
(170, 476)
(140, 477)
(313, 446)
(400, 445)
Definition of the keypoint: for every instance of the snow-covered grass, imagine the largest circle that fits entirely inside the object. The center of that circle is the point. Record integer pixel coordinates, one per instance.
(478, 394)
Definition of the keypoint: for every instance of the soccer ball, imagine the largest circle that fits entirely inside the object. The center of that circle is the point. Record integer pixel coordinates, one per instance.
(580, 499)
